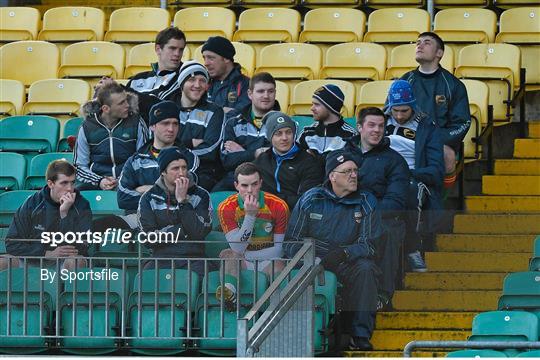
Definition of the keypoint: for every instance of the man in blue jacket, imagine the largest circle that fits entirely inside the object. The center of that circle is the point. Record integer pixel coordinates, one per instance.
(346, 229)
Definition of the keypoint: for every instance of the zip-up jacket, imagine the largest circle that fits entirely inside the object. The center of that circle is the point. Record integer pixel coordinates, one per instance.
(231, 92)
(325, 138)
(161, 84)
(350, 222)
(143, 169)
(101, 151)
(38, 214)
(187, 221)
(444, 98)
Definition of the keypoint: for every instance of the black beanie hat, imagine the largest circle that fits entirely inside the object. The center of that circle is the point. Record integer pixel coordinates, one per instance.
(163, 110)
(167, 155)
(338, 157)
(220, 46)
(331, 97)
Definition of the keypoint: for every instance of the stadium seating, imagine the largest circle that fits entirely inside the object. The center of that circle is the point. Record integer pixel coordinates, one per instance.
(3, 233)
(13, 97)
(531, 354)
(456, 3)
(373, 93)
(402, 59)
(102, 202)
(71, 128)
(478, 94)
(302, 96)
(36, 133)
(393, 3)
(282, 95)
(196, 3)
(92, 59)
(245, 56)
(33, 52)
(9, 203)
(216, 198)
(12, 171)
(291, 61)
(302, 122)
(35, 179)
(534, 264)
(172, 296)
(521, 290)
(259, 3)
(215, 243)
(140, 57)
(396, 25)
(505, 4)
(348, 3)
(136, 24)
(56, 97)
(476, 354)
(69, 24)
(199, 23)
(498, 66)
(333, 25)
(18, 23)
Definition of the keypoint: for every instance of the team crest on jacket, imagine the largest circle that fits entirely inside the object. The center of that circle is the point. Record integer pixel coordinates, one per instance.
(409, 134)
(231, 96)
(440, 99)
(358, 216)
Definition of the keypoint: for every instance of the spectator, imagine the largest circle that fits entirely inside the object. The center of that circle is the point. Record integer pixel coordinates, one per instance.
(229, 86)
(177, 206)
(346, 228)
(244, 136)
(442, 96)
(286, 170)
(254, 224)
(111, 132)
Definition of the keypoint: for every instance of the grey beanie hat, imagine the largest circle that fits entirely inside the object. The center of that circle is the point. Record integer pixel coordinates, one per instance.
(275, 120)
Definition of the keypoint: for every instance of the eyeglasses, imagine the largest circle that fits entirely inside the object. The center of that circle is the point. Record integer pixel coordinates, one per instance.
(348, 172)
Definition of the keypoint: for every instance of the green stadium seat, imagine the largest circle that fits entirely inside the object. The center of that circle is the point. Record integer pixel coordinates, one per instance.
(71, 128)
(215, 243)
(529, 354)
(302, 122)
(102, 202)
(210, 320)
(35, 178)
(158, 292)
(521, 290)
(12, 171)
(534, 264)
(29, 134)
(25, 287)
(475, 354)
(9, 203)
(217, 197)
(85, 302)
(3, 233)
(351, 121)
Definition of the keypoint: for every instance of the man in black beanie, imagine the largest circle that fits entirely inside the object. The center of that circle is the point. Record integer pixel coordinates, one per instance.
(229, 86)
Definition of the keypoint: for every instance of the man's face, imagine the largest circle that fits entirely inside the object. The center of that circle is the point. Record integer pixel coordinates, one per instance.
(63, 185)
(170, 56)
(118, 107)
(248, 185)
(165, 131)
(402, 113)
(195, 87)
(427, 50)
(372, 131)
(215, 64)
(263, 97)
(344, 178)
(320, 112)
(283, 140)
(175, 170)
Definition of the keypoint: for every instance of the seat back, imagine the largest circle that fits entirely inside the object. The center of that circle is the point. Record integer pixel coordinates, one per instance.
(199, 23)
(57, 97)
(475, 354)
(9, 203)
(291, 61)
(402, 60)
(521, 290)
(333, 25)
(35, 178)
(13, 97)
(283, 95)
(12, 65)
(71, 128)
(466, 25)
(534, 264)
(520, 25)
(396, 25)
(140, 57)
(137, 24)
(12, 171)
(529, 354)
(245, 56)
(19, 23)
(216, 198)
(29, 133)
(372, 93)
(302, 96)
(394, 3)
(92, 59)
(505, 326)
(360, 61)
(102, 202)
(268, 25)
(73, 24)
(166, 282)
(478, 94)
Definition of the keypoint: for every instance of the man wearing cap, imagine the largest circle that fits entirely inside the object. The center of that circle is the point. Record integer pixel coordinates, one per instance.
(346, 229)
(414, 136)
(329, 131)
(177, 206)
(201, 123)
(229, 86)
(287, 171)
(442, 96)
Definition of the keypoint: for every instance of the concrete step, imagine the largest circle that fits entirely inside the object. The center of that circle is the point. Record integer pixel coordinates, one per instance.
(487, 243)
(527, 148)
(404, 320)
(397, 339)
(517, 167)
(534, 130)
(454, 281)
(511, 203)
(476, 262)
(393, 354)
(496, 224)
(440, 300)
(510, 185)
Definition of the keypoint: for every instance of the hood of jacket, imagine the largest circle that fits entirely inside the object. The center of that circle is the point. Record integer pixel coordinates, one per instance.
(94, 107)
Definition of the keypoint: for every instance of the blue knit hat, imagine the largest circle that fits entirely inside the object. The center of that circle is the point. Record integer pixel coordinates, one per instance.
(399, 94)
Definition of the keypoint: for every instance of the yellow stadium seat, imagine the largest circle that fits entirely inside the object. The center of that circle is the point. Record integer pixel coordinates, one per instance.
(291, 61)
(92, 59)
(478, 94)
(498, 66)
(56, 97)
(137, 24)
(73, 24)
(187, 3)
(363, 61)
(396, 25)
(303, 93)
(505, 4)
(141, 56)
(282, 95)
(199, 23)
(373, 93)
(456, 3)
(348, 3)
(245, 56)
(402, 59)
(253, 3)
(12, 97)
(393, 3)
(466, 25)
(18, 23)
(333, 25)
(29, 61)
(267, 25)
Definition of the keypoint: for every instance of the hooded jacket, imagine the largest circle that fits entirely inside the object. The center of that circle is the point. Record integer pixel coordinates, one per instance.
(231, 92)
(39, 214)
(101, 151)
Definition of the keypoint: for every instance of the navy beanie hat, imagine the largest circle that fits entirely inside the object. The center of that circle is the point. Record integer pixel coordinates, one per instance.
(171, 154)
(331, 97)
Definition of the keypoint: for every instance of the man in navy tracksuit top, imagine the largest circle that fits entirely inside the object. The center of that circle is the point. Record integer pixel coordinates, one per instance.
(176, 205)
(201, 123)
(346, 229)
(111, 132)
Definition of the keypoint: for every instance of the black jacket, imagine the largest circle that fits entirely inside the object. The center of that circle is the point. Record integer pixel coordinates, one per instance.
(231, 92)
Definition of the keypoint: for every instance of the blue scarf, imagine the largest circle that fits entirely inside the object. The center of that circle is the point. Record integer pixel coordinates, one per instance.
(280, 158)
